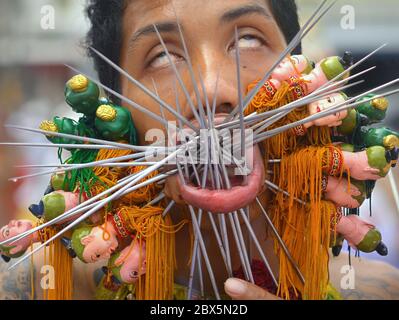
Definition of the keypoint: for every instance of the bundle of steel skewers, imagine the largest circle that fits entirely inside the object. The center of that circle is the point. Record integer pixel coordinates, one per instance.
(318, 151)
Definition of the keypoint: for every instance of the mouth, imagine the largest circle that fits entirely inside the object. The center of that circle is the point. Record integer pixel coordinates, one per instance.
(243, 191)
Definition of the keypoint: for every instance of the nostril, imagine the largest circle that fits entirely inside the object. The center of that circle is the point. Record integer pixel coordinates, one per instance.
(224, 108)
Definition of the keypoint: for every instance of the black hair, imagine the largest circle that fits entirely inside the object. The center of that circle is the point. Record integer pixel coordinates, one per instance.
(105, 33)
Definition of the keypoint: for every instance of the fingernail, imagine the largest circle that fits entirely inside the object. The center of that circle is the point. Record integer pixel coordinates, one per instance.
(235, 287)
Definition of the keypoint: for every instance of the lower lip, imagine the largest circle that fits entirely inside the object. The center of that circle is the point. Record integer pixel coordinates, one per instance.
(225, 201)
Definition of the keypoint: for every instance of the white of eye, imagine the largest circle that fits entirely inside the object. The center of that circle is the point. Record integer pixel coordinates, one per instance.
(249, 41)
(162, 60)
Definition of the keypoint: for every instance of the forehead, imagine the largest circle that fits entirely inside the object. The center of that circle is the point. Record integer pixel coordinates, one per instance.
(189, 12)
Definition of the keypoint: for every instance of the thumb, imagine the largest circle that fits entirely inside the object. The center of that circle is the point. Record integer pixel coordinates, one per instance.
(239, 289)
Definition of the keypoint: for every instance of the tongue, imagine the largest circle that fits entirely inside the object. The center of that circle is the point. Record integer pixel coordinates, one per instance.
(225, 201)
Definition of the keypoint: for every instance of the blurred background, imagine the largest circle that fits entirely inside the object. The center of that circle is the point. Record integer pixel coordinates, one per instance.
(32, 77)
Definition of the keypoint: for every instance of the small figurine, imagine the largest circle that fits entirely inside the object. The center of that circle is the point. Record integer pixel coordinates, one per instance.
(92, 244)
(56, 203)
(327, 69)
(19, 247)
(338, 191)
(361, 235)
(101, 118)
(82, 95)
(370, 164)
(326, 103)
(129, 264)
(294, 65)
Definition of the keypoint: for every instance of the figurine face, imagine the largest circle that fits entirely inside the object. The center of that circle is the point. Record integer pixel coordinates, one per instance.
(96, 247)
(332, 120)
(133, 260)
(14, 228)
(289, 67)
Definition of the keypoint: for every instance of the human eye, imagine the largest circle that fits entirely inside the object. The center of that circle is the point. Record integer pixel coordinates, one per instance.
(248, 41)
(161, 60)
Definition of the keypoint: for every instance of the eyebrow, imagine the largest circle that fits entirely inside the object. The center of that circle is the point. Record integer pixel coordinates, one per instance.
(236, 13)
(163, 27)
(172, 26)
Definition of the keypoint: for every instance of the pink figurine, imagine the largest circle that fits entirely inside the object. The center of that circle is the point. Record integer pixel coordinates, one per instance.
(92, 244)
(326, 70)
(300, 67)
(129, 264)
(292, 66)
(337, 191)
(361, 235)
(51, 206)
(17, 248)
(370, 164)
(332, 120)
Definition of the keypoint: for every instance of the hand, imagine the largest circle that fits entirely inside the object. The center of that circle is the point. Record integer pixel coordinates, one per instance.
(239, 289)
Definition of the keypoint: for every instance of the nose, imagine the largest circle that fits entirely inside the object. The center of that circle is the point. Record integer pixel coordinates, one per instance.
(12, 223)
(219, 82)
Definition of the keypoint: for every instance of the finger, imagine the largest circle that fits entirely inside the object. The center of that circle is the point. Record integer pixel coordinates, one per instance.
(239, 289)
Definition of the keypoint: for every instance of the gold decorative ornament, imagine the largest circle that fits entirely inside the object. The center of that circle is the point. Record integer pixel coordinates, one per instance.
(48, 125)
(391, 141)
(106, 112)
(380, 103)
(78, 83)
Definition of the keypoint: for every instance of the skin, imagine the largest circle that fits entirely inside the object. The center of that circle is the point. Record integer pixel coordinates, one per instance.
(260, 42)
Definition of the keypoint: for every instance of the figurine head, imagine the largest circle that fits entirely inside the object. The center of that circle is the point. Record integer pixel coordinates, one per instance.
(115, 123)
(130, 263)
(291, 66)
(12, 229)
(92, 244)
(82, 95)
(325, 104)
(333, 66)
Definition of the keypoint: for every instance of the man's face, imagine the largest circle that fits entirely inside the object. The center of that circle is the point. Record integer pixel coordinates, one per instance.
(209, 31)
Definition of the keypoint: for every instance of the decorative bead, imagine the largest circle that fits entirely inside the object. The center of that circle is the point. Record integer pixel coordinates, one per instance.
(391, 141)
(78, 83)
(380, 103)
(48, 125)
(106, 113)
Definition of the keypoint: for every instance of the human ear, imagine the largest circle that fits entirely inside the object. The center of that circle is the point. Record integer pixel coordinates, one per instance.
(86, 240)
